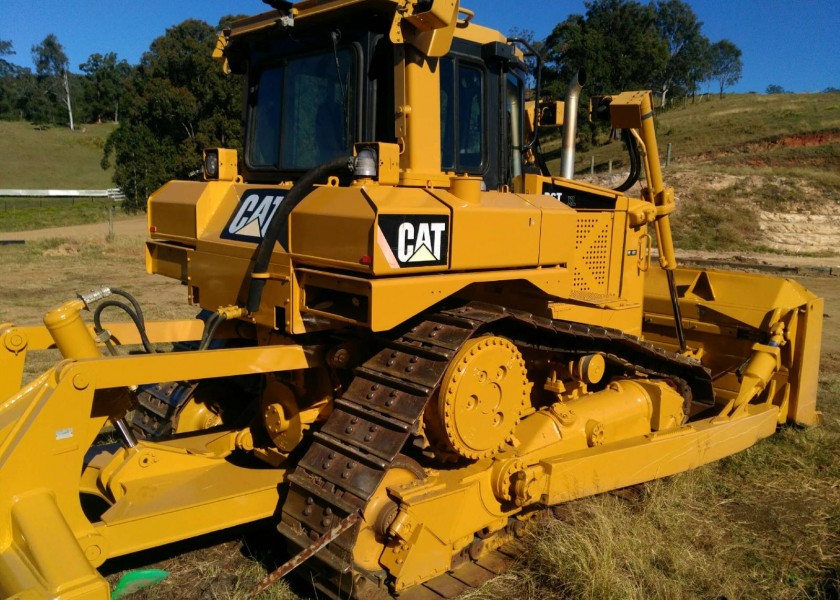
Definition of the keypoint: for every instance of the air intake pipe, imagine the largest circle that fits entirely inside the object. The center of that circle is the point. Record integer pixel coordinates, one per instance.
(567, 161)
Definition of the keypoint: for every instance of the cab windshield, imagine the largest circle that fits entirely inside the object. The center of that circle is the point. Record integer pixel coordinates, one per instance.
(302, 111)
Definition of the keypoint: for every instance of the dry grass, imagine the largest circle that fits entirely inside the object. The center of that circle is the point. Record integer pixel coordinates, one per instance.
(224, 566)
(761, 524)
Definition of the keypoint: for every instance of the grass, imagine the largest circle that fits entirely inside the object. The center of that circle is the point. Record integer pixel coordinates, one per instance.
(735, 126)
(717, 124)
(761, 524)
(719, 226)
(53, 158)
(18, 214)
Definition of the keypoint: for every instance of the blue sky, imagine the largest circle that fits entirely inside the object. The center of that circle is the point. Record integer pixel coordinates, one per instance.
(792, 43)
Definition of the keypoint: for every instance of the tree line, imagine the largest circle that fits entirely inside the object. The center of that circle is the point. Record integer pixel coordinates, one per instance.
(52, 94)
(170, 106)
(624, 44)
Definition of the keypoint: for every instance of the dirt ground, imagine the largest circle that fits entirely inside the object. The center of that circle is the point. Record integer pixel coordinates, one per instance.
(135, 226)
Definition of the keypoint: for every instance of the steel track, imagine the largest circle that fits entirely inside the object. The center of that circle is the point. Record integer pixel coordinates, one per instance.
(380, 411)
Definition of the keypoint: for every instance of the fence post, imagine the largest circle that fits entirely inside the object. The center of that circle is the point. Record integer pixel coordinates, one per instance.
(609, 167)
(592, 165)
(110, 223)
(668, 156)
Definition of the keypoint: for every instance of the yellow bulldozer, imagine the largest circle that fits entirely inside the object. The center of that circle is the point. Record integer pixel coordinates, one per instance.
(413, 337)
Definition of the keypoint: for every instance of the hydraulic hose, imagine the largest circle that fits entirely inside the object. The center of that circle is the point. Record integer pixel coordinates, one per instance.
(134, 312)
(137, 319)
(210, 327)
(635, 161)
(134, 303)
(279, 223)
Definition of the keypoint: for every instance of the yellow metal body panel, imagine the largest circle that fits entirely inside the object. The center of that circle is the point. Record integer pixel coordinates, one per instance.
(397, 201)
(501, 230)
(47, 544)
(332, 226)
(557, 229)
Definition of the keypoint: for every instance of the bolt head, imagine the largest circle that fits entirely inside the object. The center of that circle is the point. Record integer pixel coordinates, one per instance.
(80, 381)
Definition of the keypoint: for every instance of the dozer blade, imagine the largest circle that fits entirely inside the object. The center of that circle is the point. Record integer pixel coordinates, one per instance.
(729, 317)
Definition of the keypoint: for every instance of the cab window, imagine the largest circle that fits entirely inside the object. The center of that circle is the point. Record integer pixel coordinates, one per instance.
(303, 112)
(462, 116)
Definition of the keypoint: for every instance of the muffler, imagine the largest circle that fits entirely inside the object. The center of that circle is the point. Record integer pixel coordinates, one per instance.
(567, 161)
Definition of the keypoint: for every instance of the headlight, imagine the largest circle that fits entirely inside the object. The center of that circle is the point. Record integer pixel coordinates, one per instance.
(366, 164)
(211, 164)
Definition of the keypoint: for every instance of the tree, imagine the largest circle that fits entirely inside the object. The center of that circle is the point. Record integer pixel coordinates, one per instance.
(775, 89)
(6, 49)
(530, 61)
(177, 102)
(617, 42)
(107, 76)
(686, 46)
(726, 64)
(8, 74)
(51, 66)
(700, 65)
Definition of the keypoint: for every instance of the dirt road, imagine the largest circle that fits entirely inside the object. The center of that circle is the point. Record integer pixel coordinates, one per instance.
(134, 227)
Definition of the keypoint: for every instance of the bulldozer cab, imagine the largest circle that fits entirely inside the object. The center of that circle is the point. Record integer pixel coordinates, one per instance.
(319, 87)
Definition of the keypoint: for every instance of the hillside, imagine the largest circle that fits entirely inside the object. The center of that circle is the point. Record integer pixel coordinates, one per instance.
(742, 161)
(745, 159)
(54, 158)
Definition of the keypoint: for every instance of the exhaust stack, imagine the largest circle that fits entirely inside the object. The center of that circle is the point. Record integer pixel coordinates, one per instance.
(567, 161)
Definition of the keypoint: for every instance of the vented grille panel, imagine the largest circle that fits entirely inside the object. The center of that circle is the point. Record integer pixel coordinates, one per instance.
(592, 247)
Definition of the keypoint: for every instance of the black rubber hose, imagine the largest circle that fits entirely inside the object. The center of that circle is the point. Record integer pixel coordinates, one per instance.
(304, 185)
(134, 303)
(210, 327)
(97, 321)
(635, 161)
(543, 166)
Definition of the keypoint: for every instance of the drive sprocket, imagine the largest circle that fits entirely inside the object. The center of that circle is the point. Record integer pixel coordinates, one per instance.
(482, 397)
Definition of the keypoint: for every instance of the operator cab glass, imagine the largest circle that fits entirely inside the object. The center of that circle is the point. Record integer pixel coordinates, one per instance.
(462, 116)
(303, 111)
(514, 104)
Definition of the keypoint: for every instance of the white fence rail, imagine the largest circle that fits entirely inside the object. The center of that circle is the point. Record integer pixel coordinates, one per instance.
(115, 194)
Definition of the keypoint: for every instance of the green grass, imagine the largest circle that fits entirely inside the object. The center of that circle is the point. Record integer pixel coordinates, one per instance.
(18, 214)
(53, 158)
(716, 124)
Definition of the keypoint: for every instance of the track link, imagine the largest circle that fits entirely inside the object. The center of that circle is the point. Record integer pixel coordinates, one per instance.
(374, 419)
